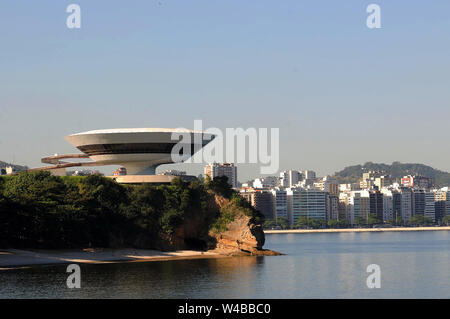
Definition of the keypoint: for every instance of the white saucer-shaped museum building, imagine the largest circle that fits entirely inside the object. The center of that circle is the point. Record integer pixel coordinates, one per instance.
(139, 150)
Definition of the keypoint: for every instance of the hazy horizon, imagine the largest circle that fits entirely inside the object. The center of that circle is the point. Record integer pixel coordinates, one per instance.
(197, 169)
(340, 93)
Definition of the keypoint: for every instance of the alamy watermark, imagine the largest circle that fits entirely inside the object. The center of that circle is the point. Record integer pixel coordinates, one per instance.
(374, 279)
(373, 21)
(236, 145)
(73, 21)
(74, 279)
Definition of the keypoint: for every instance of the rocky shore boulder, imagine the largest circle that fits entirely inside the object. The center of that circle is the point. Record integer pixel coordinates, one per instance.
(237, 231)
(232, 228)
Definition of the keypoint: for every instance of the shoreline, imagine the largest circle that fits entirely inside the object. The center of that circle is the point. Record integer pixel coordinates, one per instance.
(353, 230)
(17, 258)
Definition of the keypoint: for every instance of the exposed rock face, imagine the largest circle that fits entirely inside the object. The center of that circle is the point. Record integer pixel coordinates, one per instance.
(242, 236)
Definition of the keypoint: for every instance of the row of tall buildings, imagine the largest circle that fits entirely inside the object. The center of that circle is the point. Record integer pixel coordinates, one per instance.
(294, 194)
(223, 169)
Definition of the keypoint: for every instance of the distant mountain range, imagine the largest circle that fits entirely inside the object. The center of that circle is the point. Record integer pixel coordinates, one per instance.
(353, 173)
(16, 167)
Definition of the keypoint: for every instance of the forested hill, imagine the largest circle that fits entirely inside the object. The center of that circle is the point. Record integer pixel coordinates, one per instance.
(352, 174)
(38, 210)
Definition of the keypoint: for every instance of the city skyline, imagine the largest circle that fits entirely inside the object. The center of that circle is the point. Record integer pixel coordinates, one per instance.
(299, 199)
(228, 156)
(340, 93)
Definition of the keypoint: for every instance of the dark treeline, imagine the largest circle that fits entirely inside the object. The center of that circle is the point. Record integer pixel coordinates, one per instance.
(38, 210)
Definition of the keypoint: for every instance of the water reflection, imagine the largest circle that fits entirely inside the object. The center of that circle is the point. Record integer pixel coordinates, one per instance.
(165, 279)
(413, 265)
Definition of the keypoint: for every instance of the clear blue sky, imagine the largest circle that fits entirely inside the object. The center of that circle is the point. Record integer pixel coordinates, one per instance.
(340, 93)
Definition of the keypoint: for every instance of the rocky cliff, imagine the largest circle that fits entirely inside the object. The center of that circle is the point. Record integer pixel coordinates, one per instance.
(38, 210)
(232, 231)
(242, 234)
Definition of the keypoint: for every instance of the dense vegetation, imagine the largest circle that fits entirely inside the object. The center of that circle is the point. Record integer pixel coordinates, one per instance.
(309, 223)
(352, 174)
(39, 210)
(306, 223)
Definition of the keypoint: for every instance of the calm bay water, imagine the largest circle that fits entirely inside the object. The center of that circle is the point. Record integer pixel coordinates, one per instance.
(333, 265)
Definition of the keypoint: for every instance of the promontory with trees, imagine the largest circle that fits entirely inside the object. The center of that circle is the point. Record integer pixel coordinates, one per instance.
(38, 210)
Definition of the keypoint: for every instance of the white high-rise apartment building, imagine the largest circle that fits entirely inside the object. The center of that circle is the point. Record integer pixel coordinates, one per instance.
(442, 203)
(349, 187)
(293, 203)
(430, 211)
(328, 184)
(407, 203)
(309, 174)
(316, 203)
(290, 178)
(310, 203)
(261, 200)
(223, 169)
(359, 205)
(333, 207)
(388, 207)
(309, 177)
(280, 206)
(284, 179)
(294, 177)
(265, 182)
(345, 210)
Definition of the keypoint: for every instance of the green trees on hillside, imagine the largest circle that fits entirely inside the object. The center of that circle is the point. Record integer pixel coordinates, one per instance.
(219, 185)
(41, 210)
(352, 174)
(49, 211)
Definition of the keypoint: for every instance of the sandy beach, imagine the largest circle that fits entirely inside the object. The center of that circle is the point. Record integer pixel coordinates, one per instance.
(352, 230)
(14, 258)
